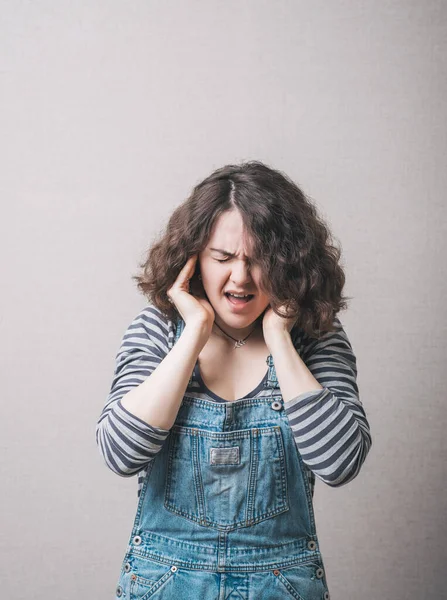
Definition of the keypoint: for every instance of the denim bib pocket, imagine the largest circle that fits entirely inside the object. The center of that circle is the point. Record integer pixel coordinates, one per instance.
(226, 479)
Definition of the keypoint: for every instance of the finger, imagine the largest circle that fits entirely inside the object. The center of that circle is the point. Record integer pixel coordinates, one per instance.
(190, 265)
(187, 271)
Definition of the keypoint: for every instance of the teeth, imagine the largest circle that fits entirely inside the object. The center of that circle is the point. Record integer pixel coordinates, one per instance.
(238, 296)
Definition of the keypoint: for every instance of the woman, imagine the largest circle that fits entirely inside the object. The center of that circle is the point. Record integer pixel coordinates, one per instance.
(243, 287)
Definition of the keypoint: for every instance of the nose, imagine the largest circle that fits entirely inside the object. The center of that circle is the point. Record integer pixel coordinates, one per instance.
(240, 273)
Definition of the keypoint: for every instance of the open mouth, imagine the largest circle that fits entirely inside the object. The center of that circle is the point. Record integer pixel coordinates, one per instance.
(239, 300)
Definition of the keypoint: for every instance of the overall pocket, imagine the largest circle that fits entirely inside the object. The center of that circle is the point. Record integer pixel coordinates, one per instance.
(303, 582)
(147, 576)
(226, 479)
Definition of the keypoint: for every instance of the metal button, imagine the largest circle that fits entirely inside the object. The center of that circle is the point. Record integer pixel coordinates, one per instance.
(173, 568)
(311, 545)
(119, 591)
(127, 567)
(276, 405)
(319, 573)
(137, 540)
(326, 595)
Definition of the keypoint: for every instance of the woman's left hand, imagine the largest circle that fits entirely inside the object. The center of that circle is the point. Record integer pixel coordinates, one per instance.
(272, 323)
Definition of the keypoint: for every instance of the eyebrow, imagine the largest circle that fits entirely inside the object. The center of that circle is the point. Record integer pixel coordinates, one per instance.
(225, 252)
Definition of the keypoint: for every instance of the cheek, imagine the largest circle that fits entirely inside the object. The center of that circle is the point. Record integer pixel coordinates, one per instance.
(214, 279)
(265, 303)
(263, 299)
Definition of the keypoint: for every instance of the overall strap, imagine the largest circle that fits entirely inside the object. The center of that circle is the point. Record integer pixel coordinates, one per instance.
(179, 327)
(272, 380)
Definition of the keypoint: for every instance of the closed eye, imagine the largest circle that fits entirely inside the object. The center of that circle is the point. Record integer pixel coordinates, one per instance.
(227, 259)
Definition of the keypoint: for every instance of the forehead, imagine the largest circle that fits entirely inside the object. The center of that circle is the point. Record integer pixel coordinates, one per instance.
(229, 235)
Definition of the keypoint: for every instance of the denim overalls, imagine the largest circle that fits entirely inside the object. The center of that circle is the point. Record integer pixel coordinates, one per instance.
(225, 511)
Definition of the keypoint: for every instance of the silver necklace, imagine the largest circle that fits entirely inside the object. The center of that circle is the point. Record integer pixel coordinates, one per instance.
(238, 343)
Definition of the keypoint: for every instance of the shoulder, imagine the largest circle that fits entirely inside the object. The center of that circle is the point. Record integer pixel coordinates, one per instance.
(306, 345)
(149, 327)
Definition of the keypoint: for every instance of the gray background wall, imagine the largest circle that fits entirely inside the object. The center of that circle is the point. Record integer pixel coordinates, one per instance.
(110, 112)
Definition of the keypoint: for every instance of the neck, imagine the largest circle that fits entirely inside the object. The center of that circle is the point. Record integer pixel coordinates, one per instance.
(238, 334)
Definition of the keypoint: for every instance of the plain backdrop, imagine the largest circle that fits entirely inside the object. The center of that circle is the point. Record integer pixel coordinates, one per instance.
(110, 112)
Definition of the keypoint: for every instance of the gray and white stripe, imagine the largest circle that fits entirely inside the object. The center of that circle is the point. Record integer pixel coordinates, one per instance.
(330, 426)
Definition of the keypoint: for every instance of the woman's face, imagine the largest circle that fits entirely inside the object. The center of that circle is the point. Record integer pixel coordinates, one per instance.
(225, 267)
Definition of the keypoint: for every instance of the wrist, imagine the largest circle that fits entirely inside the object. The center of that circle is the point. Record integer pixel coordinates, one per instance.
(197, 332)
(276, 338)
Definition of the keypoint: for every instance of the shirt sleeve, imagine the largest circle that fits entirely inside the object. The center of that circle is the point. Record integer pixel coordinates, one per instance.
(126, 442)
(330, 426)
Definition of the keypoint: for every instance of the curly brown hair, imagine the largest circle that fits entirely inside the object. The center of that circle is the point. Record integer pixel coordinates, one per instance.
(287, 238)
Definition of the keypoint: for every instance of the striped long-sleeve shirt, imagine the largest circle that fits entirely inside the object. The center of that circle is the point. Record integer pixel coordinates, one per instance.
(329, 426)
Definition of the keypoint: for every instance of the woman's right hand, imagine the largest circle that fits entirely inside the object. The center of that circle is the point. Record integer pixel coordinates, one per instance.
(194, 309)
